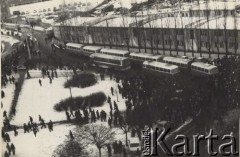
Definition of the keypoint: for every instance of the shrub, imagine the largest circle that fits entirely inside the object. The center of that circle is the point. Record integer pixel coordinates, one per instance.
(93, 100)
(82, 80)
(70, 148)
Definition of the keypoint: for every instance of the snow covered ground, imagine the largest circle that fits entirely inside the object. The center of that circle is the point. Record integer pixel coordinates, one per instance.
(37, 100)
(43, 145)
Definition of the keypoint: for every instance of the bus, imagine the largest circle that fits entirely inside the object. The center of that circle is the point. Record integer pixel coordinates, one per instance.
(180, 62)
(109, 61)
(145, 57)
(160, 68)
(88, 50)
(115, 52)
(74, 47)
(204, 69)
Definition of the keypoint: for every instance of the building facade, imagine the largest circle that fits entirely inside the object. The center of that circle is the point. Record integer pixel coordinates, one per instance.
(167, 34)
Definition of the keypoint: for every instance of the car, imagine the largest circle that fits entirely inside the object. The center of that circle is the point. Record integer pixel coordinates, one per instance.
(134, 145)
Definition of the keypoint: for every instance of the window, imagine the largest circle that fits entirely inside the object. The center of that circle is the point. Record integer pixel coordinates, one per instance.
(231, 33)
(203, 32)
(166, 42)
(179, 32)
(216, 44)
(191, 34)
(207, 45)
(180, 43)
(221, 45)
(231, 45)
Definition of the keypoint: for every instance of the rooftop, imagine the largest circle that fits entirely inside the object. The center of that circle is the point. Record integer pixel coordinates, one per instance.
(124, 21)
(75, 45)
(100, 55)
(77, 21)
(94, 48)
(216, 5)
(178, 60)
(173, 22)
(116, 51)
(148, 55)
(220, 23)
(160, 64)
(204, 65)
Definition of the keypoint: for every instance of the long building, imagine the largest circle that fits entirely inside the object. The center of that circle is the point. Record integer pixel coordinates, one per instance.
(167, 33)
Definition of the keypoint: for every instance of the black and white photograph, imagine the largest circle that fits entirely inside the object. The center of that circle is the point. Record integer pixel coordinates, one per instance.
(120, 78)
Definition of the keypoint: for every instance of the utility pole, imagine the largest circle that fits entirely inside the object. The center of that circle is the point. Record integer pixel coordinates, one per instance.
(29, 52)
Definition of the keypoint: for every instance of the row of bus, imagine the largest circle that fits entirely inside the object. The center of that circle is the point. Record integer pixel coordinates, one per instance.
(122, 59)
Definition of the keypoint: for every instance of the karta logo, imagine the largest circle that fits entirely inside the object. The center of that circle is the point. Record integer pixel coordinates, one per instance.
(153, 142)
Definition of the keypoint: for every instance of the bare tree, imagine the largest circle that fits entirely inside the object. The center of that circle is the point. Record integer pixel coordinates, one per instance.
(208, 30)
(225, 26)
(235, 31)
(97, 135)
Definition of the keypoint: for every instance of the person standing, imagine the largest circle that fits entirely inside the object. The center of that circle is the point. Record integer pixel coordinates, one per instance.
(15, 131)
(13, 79)
(6, 154)
(50, 80)
(109, 149)
(40, 82)
(8, 148)
(31, 119)
(2, 94)
(35, 131)
(13, 148)
(71, 135)
(50, 126)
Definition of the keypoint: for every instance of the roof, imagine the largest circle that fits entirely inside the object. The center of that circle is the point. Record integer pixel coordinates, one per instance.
(123, 21)
(115, 51)
(173, 22)
(103, 6)
(178, 60)
(204, 65)
(75, 45)
(220, 23)
(145, 55)
(108, 56)
(160, 64)
(216, 5)
(94, 48)
(77, 21)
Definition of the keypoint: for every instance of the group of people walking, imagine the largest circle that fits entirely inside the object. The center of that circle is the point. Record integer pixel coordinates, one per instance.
(33, 126)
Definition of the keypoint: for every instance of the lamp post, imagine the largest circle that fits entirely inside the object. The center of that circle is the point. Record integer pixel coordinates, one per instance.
(29, 53)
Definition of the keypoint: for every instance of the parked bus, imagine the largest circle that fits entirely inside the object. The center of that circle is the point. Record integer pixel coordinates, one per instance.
(115, 52)
(88, 50)
(145, 57)
(204, 69)
(180, 62)
(109, 61)
(161, 68)
(75, 48)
